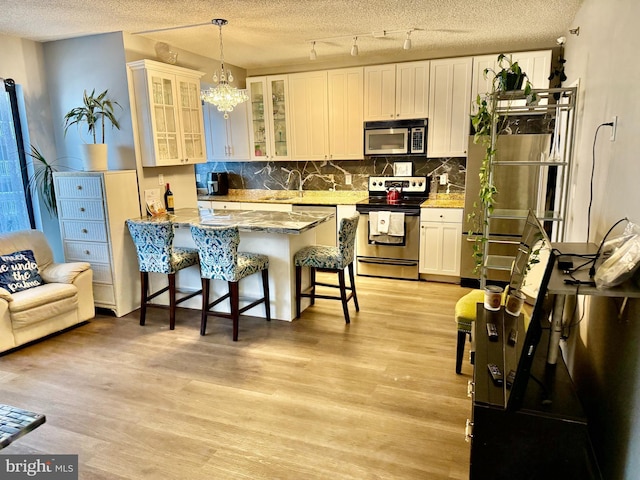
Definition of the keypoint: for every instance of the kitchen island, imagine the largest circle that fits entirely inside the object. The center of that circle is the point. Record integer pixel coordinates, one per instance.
(279, 235)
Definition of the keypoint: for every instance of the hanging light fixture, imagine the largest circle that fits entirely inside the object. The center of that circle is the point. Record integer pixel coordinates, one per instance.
(354, 47)
(407, 42)
(223, 95)
(313, 55)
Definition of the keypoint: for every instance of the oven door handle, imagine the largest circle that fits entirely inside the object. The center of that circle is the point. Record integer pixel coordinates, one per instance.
(388, 261)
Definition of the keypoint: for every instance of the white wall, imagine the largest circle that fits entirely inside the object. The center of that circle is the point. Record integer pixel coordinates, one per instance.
(604, 355)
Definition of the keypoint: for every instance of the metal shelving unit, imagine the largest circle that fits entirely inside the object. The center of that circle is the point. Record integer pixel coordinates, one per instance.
(557, 107)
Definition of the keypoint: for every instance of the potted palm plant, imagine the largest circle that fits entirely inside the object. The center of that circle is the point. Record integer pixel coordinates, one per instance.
(95, 112)
(41, 182)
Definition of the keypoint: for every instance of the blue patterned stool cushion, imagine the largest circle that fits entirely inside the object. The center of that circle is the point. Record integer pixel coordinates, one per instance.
(219, 256)
(335, 258)
(154, 246)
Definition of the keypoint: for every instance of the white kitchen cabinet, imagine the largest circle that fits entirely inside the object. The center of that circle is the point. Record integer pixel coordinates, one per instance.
(269, 124)
(220, 205)
(92, 209)
(346, 113)
(168, 114)
(396, 91)
(440, 238)
(271, 207)
(536, 64)
(449, 107)
(309, 113)
(326, 114)
(226, 139)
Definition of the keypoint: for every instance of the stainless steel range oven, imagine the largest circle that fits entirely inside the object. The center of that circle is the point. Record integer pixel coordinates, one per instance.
(393, 251)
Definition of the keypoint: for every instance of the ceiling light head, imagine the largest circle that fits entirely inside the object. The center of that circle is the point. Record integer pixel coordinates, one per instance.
(312, 54)
(354, 47)
(561, 40)
(407, 42)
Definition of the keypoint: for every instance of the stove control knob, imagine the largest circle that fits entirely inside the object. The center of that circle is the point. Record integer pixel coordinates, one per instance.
(413, 184)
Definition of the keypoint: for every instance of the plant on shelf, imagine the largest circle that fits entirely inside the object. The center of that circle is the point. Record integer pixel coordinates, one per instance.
(95, 112)
(506, 80)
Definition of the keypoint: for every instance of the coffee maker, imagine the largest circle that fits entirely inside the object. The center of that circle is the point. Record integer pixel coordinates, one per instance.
(218, 183)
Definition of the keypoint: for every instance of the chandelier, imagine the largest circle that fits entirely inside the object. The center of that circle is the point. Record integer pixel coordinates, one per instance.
(223, 95)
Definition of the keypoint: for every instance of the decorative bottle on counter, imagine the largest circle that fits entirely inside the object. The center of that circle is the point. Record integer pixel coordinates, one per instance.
(168, 199)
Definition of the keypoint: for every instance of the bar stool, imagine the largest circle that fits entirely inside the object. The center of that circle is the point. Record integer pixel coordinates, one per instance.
(465, 315)
(220, 260)
(325, 258)
(156, 253)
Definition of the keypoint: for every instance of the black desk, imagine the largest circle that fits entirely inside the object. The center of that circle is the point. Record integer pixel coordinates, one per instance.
(16, 422)
(547, 438)
(560, 290)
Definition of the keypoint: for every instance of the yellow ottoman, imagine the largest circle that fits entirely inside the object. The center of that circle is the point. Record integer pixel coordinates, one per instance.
(465, 313)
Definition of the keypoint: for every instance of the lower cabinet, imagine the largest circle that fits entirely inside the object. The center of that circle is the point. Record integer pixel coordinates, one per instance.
(92, 209)
(440, 237)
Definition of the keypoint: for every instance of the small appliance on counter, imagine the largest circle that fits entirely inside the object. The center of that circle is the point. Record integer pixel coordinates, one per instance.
(218, 183)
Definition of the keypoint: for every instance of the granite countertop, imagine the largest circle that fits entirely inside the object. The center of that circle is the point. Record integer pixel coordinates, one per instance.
(445, 200)
(292, 197)
(290, 223)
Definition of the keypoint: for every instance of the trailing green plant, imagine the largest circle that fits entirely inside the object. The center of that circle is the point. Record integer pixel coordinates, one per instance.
(42, 180)
(487, 124)
(95, 111)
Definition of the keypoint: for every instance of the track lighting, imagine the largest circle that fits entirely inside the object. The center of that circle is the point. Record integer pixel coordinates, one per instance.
(354, 47)
(375, 34)
(407, 42)
(313, 55)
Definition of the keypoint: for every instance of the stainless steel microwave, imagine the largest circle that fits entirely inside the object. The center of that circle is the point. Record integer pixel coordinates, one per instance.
(396, 137)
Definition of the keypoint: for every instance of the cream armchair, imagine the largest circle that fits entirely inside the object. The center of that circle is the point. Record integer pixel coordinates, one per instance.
(63, 300)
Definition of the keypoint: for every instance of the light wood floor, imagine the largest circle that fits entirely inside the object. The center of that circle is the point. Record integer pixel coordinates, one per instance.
(312, 399)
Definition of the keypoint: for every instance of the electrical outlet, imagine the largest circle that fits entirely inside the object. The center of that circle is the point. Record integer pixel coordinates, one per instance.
(614, 120)
(160, 179)
(347, 179)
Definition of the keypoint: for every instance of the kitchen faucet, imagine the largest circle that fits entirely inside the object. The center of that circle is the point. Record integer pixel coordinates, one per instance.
(301, 180)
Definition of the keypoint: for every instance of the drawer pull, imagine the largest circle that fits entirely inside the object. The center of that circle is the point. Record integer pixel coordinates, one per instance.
(470, 386)
(468, 431)
(87, 252)
(84, 230)
(82, 209)
(79, 187)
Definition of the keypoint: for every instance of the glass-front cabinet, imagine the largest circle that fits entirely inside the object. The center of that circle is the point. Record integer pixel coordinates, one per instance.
(168, 114)
(269, 117)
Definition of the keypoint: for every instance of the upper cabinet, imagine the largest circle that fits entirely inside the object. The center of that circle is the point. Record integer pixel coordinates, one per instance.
(326, 114)
(309, 115)
(396, 91)
(269, 124)
(537, 66)
(449, 108)
(168, 114)
(227, 139)
(346, 113)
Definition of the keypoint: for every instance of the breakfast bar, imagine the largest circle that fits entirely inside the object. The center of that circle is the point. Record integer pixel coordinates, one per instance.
(279, 235)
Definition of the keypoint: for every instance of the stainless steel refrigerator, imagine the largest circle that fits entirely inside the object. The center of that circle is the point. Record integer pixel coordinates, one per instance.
(520, 188)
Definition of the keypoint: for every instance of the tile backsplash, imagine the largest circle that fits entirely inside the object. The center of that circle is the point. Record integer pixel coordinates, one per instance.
(326, 175)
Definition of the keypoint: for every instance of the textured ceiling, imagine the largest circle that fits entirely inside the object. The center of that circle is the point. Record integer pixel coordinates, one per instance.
(268, 33)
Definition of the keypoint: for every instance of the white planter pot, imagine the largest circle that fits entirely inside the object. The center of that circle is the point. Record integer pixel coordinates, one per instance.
(95, 157)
